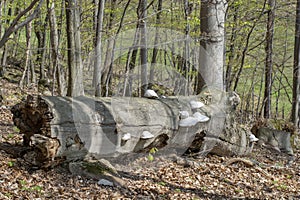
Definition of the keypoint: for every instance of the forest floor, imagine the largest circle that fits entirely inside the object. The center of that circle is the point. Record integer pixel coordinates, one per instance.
(212, 177)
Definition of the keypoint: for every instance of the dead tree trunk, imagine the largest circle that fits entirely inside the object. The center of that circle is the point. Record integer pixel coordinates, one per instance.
(72, 128)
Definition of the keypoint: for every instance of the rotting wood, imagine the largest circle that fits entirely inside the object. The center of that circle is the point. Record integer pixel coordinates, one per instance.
(73, 128)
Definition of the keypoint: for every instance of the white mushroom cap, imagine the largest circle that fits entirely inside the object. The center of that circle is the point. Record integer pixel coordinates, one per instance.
(253, 138)
(189, 121)
(126, 136)
(147, 135)
(196, 104)
(150, 94)
(184, 114)
(200, 117)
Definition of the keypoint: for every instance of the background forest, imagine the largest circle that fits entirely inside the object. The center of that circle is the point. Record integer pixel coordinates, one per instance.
(38, 43)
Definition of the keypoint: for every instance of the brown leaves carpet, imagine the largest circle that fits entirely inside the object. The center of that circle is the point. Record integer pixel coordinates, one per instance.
(163, 178)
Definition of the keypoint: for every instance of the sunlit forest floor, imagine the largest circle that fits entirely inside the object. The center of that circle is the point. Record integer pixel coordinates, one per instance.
(211, 177)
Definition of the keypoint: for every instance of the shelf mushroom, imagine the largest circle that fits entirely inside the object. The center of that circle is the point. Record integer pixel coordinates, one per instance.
(253, 138)
(196, 104)
(147, 135)
(184, 114)
(126, 136)
(150, 94)
(200, 117)
(189, 121)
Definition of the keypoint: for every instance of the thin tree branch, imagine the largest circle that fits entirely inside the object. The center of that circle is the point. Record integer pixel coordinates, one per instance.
(15, 26)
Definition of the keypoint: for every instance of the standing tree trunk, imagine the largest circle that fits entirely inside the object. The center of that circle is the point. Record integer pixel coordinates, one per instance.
(108, 61)
(40, 32)
(7, 21)
(75, 66)
(212, 43)
(95, 14)
(269, 60)
(142, 11)
(233, 36)
(2, 3)
(186, 60)
(2, 68)
(1, 21)
(28, 70)
(55, 52)
(98, 52)
(155, 49)
(130, 64)
(296, 74)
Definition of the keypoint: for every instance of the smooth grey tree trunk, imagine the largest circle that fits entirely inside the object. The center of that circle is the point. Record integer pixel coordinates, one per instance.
(98, 50)
(95, 14)
(142, 10)
(155, 49)
(212, 43)
(108, 61)
(57, 77)
(130, 64)
(75, 82)
(296, 74)
(1, 7)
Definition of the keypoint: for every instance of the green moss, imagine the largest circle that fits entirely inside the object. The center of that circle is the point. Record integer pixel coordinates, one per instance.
(95, 168)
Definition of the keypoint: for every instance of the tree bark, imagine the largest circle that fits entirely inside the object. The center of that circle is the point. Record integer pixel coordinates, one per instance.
(72, 128)
(142, 17)
(28, 72)
(57, 77)
(155, 49)
(40, 32)
(1, 21)
(269, 59)
(98, 51)
(75, 66)
(130, 64)
(212, 43)
(107, 70)
(233, 36)
(95, 15)
(5, 50)
(296, 73)
(186, 60)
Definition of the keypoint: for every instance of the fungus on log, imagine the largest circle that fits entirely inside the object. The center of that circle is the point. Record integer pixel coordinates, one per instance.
(72, 128)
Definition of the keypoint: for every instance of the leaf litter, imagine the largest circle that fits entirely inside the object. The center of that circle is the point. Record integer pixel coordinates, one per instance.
(162, 177)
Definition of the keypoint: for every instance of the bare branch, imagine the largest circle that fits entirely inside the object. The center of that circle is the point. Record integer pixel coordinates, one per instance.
(15, 26)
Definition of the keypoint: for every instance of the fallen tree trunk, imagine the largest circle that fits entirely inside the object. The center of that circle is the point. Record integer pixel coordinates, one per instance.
(72, 128)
